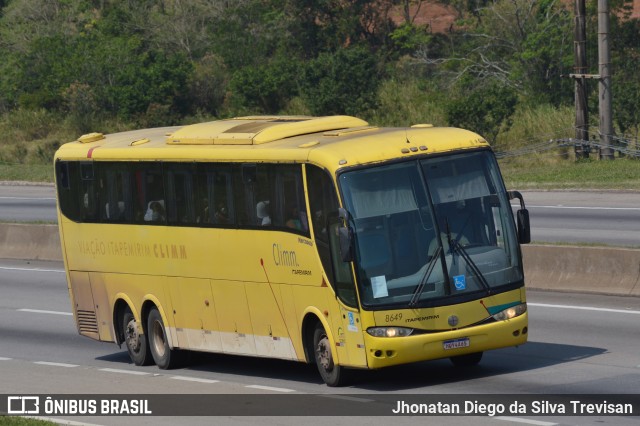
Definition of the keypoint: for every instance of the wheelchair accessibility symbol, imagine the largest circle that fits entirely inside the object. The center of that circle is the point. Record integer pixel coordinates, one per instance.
(460, 282)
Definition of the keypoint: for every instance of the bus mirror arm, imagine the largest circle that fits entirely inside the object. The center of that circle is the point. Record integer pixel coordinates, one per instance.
(522, 216)
(518, 195)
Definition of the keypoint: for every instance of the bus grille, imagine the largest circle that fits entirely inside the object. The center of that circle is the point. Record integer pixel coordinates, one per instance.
(87, 322)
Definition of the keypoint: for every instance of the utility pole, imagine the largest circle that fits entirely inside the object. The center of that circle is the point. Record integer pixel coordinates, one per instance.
(580, 70)
(604, 84)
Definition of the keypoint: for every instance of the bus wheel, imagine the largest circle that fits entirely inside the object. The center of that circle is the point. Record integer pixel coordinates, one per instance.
(163, 355)
(137, 344)
(332, 374)
(468, 360)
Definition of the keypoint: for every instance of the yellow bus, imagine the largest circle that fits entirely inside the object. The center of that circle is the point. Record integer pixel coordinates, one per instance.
(317, 239)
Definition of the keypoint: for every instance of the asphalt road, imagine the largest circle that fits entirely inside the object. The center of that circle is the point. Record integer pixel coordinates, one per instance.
(27, 203)
(611, 218)
(578, 344)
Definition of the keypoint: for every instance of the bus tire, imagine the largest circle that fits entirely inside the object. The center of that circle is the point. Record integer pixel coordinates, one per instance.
(468, 360)
(137, 344)
(164, 357)
(332, 374)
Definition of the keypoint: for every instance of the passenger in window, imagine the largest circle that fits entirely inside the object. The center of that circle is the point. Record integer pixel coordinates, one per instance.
(262, 211)
(204, 216)
(155, 212)
(222, 215)
(294, 219)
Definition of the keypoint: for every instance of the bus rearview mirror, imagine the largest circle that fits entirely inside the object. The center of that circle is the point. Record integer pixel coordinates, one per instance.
(524, 227)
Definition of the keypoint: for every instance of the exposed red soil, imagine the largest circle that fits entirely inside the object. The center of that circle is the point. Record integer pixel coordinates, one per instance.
(441, 18)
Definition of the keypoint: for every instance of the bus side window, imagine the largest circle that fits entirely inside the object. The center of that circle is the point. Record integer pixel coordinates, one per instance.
(222, 198)
(323, 205)
(179, 193)
(183, 198)
(147, 200)
(214, 194)
(201, 195)
(266, 210)
(243, 180)
(68, 194)
(287, 194)
(114, 189)
(87, 193)
(293, 194)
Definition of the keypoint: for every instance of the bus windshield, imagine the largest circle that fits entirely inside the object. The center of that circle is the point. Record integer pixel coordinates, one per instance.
(431, 231)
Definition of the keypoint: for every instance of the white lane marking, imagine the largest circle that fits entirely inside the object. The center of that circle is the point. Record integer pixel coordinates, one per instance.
(194, 379)
(269, 388)
(527, 421)
(39, 311)
(4, 359)
(60, 421)
(576, 207)
(585, 308)
(7, 268)
(346, 398)
(116, 370)
(55, 364)
(26, 198)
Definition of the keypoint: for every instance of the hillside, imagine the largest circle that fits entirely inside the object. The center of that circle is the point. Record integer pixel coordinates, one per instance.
(440, 18)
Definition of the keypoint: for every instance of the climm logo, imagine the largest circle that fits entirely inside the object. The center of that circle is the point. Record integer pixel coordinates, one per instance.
(284, 257)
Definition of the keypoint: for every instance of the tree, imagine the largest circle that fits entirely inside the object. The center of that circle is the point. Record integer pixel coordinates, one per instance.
(485, 109)
(525, 44)
(344, 82)
(317, 26)
(267, 87)
(207, 85)
(249, 33)
(626, 80)
(185, 26)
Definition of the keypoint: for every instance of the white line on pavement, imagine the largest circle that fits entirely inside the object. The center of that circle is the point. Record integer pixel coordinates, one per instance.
(55, 364)
(7, 268)
(585, 308)
(116, 370)
(194, 379)
(527, 421)
(269, 388)
(40, 311)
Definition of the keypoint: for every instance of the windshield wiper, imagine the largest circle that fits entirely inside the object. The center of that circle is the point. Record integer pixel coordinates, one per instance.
(423, 281)
(454, 245)
(474, 268)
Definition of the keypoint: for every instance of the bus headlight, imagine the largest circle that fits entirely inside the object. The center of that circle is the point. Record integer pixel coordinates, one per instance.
(511, 312)
(389, 331)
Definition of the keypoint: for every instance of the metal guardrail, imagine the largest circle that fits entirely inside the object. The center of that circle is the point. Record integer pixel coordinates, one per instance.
(627, 147)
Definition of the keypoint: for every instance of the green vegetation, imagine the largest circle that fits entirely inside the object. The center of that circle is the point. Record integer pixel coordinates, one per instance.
(621, 174)
(22, 421)
(73, 67)
(26, 172)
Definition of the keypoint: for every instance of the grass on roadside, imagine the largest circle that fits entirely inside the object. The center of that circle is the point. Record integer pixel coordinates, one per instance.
(23, 421)
(26, 172)
(526, 173)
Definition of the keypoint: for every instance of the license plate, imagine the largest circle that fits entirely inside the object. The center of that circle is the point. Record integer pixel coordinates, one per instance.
(456, 343)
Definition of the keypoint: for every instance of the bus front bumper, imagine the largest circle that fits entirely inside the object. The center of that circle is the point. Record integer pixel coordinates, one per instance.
(389, 351)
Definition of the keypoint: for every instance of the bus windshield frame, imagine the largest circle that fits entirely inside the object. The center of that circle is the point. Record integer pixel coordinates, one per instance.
(431, 231)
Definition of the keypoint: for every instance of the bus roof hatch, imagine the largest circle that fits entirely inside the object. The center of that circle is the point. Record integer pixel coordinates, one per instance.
(259, 129)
